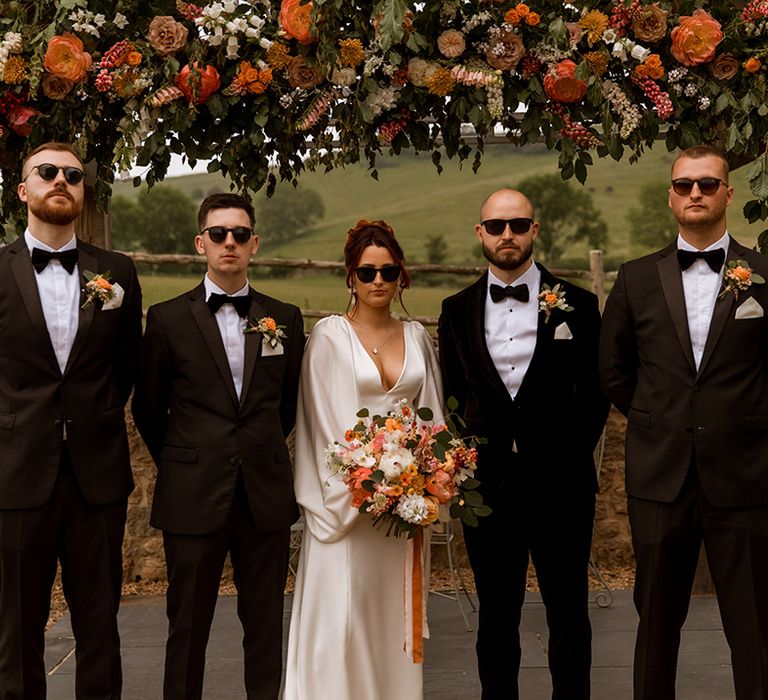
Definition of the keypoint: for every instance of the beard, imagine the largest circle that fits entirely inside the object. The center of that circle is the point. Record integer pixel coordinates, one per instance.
(56, 214)
(508, 258)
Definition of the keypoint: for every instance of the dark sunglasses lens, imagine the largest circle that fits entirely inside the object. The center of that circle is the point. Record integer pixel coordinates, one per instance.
(519, 225)
(217, 234)
(389, 273)
(682, 186)
(366, 274)
(73, 175)
(241, 234)
(495, 227)
(709, 185)
(47, 171)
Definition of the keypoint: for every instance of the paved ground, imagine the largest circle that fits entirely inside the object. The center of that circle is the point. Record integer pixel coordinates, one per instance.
(704, 671)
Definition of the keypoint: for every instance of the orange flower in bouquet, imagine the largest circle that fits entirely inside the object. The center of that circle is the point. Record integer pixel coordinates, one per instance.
(198, 82)
(561, 85)
(695, 39)
(67, 58)
(296, 20)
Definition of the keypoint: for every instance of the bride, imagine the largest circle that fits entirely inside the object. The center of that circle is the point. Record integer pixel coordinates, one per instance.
(347, 626)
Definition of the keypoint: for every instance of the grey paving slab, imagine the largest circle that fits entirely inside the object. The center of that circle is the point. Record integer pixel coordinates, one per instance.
(449, 670)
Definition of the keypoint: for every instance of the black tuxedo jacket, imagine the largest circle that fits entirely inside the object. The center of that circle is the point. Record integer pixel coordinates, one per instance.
(558, 413)
(197, 430)
(718, 412)
(36, 399)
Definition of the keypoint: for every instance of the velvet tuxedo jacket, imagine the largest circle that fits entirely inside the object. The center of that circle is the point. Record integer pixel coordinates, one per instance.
(37, 399)
(559, 412)
(718, 412)
(200, 434)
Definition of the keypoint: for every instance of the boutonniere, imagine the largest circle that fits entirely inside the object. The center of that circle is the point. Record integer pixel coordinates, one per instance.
(551, 298)
(97, 288)
(272, 334)
(738, 276)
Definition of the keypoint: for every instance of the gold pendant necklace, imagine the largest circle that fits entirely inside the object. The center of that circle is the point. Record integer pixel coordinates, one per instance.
(375, 348)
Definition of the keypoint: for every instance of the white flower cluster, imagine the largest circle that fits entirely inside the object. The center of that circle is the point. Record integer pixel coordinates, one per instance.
(629, 113)
(87, 22)
(476, 20)
(372, 64)
(135, 127)
(677, 74)
(382, 99)
(412, 509)
(623, 48)
(704, 103)
(217, 26)
(756, 29)
(11, 43)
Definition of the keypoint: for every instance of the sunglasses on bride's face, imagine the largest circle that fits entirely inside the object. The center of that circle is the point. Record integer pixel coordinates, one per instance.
(366, 274)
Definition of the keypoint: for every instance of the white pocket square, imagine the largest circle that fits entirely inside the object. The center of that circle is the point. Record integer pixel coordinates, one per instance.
(750, 308)
(117, 298)
(562, 332)
(267, 349)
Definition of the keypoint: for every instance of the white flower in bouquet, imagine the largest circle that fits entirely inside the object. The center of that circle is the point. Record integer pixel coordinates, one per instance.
(413, 509)
(394, 461)
(359, 457)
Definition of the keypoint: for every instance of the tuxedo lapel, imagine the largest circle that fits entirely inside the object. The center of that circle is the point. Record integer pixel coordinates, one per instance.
(209, 329)
(723, 309)
(24, 274)
(86, 261)
(475, 324)
(674, 294)
(252, 346)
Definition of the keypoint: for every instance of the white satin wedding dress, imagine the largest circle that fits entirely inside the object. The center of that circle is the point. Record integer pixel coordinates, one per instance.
(347, 624)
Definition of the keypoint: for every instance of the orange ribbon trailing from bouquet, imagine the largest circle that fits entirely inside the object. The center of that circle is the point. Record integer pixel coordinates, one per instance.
(415, 618)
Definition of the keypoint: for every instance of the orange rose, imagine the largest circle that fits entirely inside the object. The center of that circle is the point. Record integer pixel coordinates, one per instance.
(550, 298)
(133, 58)
(696, 38)
(742, 274)
(752, 65)
(522, 9)
(296, 20)
(270, 324)
(104, 284)
(512, 17)
(66, 58)
(561, 85)
(198, 83)
(533, 19)
(652, 68)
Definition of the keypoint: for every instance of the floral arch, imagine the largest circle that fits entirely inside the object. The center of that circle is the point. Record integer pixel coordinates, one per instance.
(266, 89)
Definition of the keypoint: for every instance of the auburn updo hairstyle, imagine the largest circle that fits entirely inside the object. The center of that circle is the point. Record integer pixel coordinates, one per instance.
(378, 233)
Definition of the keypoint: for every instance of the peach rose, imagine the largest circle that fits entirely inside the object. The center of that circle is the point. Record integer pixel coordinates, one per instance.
(198, 82)
(650, 23)
(561, 85)
(296, 20)
(67, 58)
(440, 485)
(695, 39)
(166, 36)
(505, 49)
(725, 66)
(451, 43)
(56, 88)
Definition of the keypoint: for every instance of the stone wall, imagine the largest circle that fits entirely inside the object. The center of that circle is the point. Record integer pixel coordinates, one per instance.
(143, 548)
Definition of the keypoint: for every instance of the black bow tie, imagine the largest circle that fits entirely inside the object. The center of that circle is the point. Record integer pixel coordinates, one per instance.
(713, 258)
(519, 292)
(67, 258)
(242, 304)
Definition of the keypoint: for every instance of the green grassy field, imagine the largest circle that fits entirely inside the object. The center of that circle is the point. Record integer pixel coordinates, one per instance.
(418, 202)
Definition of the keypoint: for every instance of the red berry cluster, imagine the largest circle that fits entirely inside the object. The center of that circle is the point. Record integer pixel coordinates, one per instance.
(660, 99)
(623, 14)
(392, 128)
(755, 11)
(10, 101)
(112, 56)
(575, 131)
(188, 10)
(400, 76)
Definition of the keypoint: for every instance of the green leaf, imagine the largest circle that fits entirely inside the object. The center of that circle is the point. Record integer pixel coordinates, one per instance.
(425, 413)
(392, 13)
(468, 517)
(439, 450)
(473, 498)
(469, 484)
(762, 242)
(363, 413)
(452, 403)
(483, 511)
(757, 176)
(721, 103)
(377, 476)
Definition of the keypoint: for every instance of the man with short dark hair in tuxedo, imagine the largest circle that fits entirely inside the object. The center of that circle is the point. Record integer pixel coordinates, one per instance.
(70, 322)
(684, 355)
(518, 350)
(214, 402)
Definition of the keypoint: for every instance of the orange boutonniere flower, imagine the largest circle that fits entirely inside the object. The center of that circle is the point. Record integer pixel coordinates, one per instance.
(738, 276)
(272, 334)
(551, 298)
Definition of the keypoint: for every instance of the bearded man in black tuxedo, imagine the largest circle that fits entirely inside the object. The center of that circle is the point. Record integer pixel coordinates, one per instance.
(214, 402)
(67, 365)
(684, 355)
(518, 350)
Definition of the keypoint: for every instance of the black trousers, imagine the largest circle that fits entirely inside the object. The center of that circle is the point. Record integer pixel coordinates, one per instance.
(556, 530)
(667, 538)
(87, 540)
(260, 567)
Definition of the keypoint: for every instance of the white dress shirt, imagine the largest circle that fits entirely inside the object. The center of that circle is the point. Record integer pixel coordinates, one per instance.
(59, 292)
(701, 286)
(231, 327)
(510, 329)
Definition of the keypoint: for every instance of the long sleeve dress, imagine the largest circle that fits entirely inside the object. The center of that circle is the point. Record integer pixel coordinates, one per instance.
(347, 630)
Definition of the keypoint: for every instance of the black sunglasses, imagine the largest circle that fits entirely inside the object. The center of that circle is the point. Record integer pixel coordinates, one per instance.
(48, 172)
(389, 273)
(707, 185)
(218, 234)
(495, 227)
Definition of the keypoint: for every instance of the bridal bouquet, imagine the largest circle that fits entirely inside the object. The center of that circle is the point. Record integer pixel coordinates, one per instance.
(401, 467)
